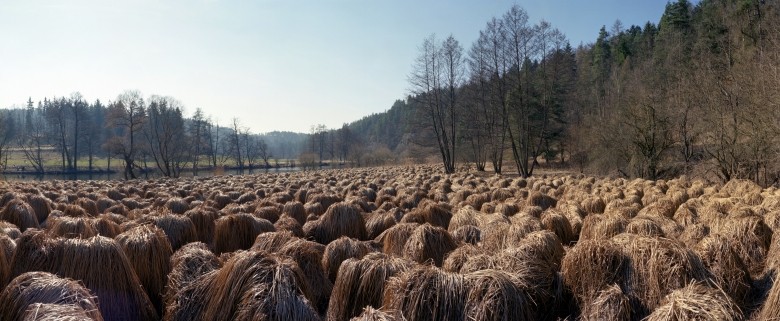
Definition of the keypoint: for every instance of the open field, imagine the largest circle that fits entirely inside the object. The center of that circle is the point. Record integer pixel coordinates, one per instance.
(393, 243)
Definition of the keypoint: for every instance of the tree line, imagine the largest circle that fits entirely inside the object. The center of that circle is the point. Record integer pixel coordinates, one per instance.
(140, 133)
(694, 94)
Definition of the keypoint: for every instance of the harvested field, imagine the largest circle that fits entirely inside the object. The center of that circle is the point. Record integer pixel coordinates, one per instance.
(397, 243)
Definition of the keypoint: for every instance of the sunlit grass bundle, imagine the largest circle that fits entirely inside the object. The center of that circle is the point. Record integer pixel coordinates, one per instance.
(602, 226)
(340, 250)
(555, 222)
(644, 227)
(296, 211)
(495, 295)
(751, 239)
(371, 314)
(32, 288)
(287, 223)
(238, 232)
(433, 213)
(728, 271)
(56, 312)
(188, 265)
(178, 228)
(257, 286)
(203, 220)
(542, 200)
(697, 301)
(469, 234)
(18, 213)
(41, 206)
(592, 266)
(429, 243)
(10, 230)
(309, 256)
(361, 282)
(394, 239)
(427, 293)
(71, 227)
(377, 222)
(36, 251)
(272, 242)
(341, 219)
(149, 252)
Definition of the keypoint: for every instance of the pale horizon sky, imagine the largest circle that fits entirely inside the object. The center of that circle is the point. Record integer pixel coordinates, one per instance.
(273, 64)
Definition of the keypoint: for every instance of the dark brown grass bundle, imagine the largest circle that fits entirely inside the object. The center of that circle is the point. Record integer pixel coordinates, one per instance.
(55, 312)
(497, 296)
(221, 200)
(371, 314)
(750, 238)
(296, 211)
(188, 264)
(594, 205)
(35, 251)
(611, 304)
(203, 219)
(270, 213)
(770, 308)
(697, 301)
(468, 234)
(73, 210)
(315, 209)
(177, 205)
(272, 242)
(361, 283)
(657, 267)
(18, 213)
(726, 267)
(557, 223)
(8, 247)
(41, 206)
(341, 219)
(72, 227)
(326, 200)
(590, 267)
(42, 287)
(104, 203)
(258, 286)
(427, 293)
(602, 226)
(507, 209)
(542, 200)
(339, 251)
(377, 222)
(644, 227)
(88, 205)
(238, 232)
(501, 194)
(476, 200)
(149, 252)
(458, 257)
(429, 243)
(308, 255)
(104, 225)
(434, 214)
(394, 238)
(106, 271)
(496, 236)
(287, 223)
(178, 228)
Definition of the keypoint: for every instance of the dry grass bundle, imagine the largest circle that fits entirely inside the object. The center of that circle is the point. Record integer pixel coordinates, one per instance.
(602, 226)
(177, 205)
(433, 213)
(339, 251)
(377, 222)
(89, 206)
(18, 213)
(71, 227)
(429, 243)
(541, 200)
(394, 238)
(257, 286)
(56, 312)
(468, 234)
(497, 295)
(496, 236)
(295, 210)
(427, 293)
(203, 220)
(270, 213)
(41, 206)
(41, 287)
(325, 200)
(594, 205)
(287, 223)
(590, 267)
(657, 267)
(10, 230)
(105, 225)
(178, 228)
(726, 267)
(309, 257)
(341, 219)
(663, 207)
(35, 251)
(272, 242)
(149, 252)
(100, 263)
(543, 245)
(361, 282)
(611, 304)
(464, 216)
(644, 227)
(557, 223)
(371, 314)
(458, 257)
(750, 238)
(501, 194)
(315, 209)
(188, 264)
(694, 233)
(238, 232)
(507, 209)
(476, 200)
(697, 301)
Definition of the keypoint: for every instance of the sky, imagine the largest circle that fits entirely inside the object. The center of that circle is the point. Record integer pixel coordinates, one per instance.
(272, 64)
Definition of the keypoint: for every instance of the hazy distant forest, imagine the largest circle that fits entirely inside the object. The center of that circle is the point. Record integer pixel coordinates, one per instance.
(695, 94)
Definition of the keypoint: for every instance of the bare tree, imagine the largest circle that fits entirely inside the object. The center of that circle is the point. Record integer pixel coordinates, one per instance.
(235, 143)
(319, 140)
(126, 116)
(165, 135)
(198, 131)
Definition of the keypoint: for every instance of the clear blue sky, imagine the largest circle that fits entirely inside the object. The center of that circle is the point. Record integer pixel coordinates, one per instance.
(276, 65)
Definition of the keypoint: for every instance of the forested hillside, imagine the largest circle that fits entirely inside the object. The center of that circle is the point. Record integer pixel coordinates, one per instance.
(696, 93)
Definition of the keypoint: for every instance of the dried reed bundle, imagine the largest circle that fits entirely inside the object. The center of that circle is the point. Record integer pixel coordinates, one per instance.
(238, 232)
(341, 219)
(697, 301)
(428, 243)
(188, 265)
(340, 250)
(32, 288)
(427, 293)
(18, 213)
(149, 252)
(394, 239)
(495, 295)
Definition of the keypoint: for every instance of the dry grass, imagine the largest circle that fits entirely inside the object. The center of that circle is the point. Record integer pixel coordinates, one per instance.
(238, 232)
(427, 293)
(149, 252)
(339, 251)
(429, 243)
(32, 288)
(341, 219)
(697, 301)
